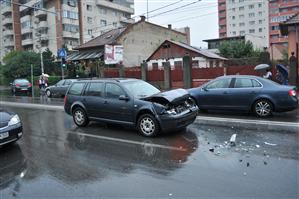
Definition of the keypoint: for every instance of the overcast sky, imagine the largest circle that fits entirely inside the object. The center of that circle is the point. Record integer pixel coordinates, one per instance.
(200, 16)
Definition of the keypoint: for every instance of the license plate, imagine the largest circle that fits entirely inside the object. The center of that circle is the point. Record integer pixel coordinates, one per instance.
(4, 135)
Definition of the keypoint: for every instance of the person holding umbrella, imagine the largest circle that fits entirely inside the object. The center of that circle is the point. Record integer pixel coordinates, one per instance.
(282, 74)
(268, 74)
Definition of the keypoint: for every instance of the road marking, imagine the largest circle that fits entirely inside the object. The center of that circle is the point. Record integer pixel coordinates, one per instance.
(198, 119)
(145, 144)
(29, 105)
(247, 121)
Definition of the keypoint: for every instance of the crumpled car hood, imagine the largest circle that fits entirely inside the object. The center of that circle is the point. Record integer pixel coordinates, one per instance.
(173, 96)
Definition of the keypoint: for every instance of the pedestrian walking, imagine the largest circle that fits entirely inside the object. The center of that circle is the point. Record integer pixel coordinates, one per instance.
(42, 83)
(268, 74)
(293, 69)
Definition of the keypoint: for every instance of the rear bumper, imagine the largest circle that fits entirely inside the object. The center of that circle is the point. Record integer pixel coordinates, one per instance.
(15, 133)
(288, 105)
(176, 122)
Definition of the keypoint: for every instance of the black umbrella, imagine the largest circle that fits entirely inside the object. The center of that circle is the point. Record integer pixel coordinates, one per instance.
(283, 70)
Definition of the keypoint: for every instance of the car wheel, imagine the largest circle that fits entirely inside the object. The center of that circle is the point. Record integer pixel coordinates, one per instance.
(80, 118)
(48, 93)
(263, 108)
(147, 125)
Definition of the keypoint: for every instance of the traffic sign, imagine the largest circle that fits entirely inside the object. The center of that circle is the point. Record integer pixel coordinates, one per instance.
(62, 53)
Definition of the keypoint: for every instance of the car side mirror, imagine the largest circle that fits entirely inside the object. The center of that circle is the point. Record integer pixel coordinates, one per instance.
(123, 97)
(205, 89)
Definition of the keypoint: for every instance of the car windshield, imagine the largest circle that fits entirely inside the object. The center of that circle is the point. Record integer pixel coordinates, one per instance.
(141, 89)
(21, 81)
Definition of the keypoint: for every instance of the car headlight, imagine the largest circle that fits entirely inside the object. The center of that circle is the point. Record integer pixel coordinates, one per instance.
(171, 112)
(14, 120)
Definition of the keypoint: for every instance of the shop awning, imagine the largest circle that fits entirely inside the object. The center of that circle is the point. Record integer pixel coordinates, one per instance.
(85, 55)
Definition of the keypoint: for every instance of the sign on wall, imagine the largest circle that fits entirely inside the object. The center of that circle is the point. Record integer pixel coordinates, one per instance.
(113, 54)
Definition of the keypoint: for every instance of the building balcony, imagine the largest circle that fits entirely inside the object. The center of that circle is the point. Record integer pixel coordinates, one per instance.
(29, 4)
(6, 10)
(8, 32)
(26, 30)
(115, 6)
(27, 42)
(7, 21)
(40, 13)
(8, 43)
(126, 20)
(70, 21)
(42, 24)
(44, 37)
(67, 34)
(25, 18)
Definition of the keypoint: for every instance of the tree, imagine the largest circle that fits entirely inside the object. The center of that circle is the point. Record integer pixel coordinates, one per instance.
(18, 64)
(50, 66)
(238, 49)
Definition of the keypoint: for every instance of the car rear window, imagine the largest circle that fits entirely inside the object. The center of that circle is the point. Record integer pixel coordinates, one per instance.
(95, 89)
(76, 88)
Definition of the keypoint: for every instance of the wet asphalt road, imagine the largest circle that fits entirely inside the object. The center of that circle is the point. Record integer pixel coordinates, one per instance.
(55, 159)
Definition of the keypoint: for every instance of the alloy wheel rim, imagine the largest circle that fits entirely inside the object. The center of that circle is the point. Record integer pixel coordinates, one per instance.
(263, 108)
(147, 126)
(48, 93)
(79, 117)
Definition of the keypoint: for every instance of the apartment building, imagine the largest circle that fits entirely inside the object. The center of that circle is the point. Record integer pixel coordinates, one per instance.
(39, 24)
(280, 11)
(99, 16)
(245, 18)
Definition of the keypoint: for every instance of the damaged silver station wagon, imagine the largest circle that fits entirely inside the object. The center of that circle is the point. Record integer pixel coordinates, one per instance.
(130, 102)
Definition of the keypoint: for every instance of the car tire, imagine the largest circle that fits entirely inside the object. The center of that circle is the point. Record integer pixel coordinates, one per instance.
(80, 118)
(263, 108)
(147, 125)
(48, 93)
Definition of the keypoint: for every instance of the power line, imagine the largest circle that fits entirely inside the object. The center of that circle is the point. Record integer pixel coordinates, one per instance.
(159, 8)
(175, 9)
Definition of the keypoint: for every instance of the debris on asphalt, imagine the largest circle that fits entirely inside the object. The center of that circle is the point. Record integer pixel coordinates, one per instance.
(270, 144)
(265, 163)
(232, 140)
(247, 164)
(211, 150)
(257, 146)
(244, 173)
(170, 194)
(240, 160)
(218, 153)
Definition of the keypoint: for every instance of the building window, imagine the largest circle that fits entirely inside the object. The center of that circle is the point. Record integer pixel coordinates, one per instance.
(260, 30)
(70, 14)
(251, 6)
(233, 9)
(89, 7)
(251, 22)
(234, 25)
(114, 13)
(241, 16)
(241, 8)
(241, 24)
(260, 21)
(103, 23)
(155, 66)
(178, 65)
(90, 32)
(70, 28)
(251, 30)
(251, 14)
(242, 33)
(103, 11)
(234, 33)
(260, 5)
(114, 24)
(260, 13)
(89, 19)
(233, 17)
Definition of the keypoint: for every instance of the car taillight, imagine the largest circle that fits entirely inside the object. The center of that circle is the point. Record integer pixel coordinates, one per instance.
(293, 93)
(18, 85)
(29, 85)
(64, 100)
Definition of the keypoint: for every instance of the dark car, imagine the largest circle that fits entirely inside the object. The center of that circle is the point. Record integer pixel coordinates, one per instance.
(59, 89)
(21, 86)
(10, 127)
(130, 102)
(245, 93)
